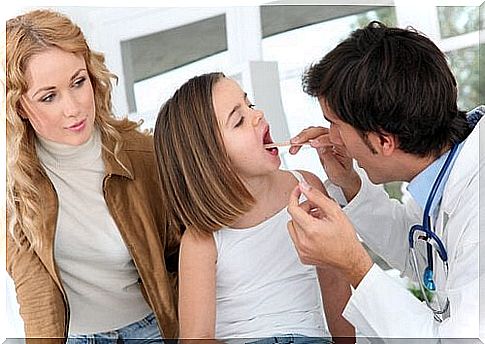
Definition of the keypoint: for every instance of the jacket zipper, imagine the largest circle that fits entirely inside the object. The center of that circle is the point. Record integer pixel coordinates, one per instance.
(67, 308)
(131, 250)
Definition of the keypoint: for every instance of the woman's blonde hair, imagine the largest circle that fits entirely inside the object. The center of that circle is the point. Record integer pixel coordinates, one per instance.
(28, 35)
(199, 185)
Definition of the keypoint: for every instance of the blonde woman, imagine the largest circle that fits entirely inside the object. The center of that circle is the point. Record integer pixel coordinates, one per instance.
(87, 244)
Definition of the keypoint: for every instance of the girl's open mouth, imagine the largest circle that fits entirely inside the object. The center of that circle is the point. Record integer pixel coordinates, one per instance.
(267, 140)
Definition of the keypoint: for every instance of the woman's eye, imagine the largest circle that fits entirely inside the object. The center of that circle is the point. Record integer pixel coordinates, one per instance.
(47, 99)
(79, 82)
(240, 122)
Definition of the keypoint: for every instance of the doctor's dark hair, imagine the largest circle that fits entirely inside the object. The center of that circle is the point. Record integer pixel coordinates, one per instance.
(395, 81)
(200, 188)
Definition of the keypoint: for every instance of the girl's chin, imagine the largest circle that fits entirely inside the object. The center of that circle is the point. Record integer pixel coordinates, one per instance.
(276, 160)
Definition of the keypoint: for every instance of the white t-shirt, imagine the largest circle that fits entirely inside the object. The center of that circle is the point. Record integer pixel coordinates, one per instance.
(262, 288)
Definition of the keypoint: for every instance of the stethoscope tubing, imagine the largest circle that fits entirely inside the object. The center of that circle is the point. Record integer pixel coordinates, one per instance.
(425, 227)
(430, 237)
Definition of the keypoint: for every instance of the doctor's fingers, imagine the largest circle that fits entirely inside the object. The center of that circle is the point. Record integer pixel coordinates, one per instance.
(332, 153)
(311, 209)
(303, 244)
(322, 141)
(311, 216)
(328, 207)
(296, 236)
(298, 211)
(310, 133)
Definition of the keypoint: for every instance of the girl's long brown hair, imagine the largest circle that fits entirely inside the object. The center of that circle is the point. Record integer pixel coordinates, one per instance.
(199, 185)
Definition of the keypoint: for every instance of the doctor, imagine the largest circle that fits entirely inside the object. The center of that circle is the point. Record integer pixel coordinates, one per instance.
(391, 101)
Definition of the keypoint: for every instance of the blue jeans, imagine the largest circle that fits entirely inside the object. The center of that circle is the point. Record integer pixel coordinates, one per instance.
(292, 339)
(144, 331)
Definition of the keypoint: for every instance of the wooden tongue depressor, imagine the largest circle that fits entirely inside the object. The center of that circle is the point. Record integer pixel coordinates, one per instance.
(284, 144)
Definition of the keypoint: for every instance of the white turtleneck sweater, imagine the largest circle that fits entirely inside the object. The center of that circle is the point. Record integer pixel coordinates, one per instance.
(96, 269)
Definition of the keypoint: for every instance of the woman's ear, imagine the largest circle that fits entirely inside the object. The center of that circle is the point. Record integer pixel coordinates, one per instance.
(22, 114)
(21, 109)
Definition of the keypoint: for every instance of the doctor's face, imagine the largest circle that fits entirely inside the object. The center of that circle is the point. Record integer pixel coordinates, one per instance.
(59, 102)
(363, 149)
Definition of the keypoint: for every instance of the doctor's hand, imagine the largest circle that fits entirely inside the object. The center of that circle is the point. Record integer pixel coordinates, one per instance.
(334, 158)
(323, 234)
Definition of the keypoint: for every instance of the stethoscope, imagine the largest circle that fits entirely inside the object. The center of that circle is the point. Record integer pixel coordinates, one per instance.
(428, 235)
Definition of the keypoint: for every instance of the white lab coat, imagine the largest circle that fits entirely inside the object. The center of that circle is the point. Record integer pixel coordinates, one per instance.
(381, 307)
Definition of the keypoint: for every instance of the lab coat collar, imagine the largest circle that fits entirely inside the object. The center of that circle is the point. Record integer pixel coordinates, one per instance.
(467, 164)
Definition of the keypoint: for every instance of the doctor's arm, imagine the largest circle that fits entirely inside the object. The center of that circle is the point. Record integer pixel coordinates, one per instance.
(379, 294)
(380, 306)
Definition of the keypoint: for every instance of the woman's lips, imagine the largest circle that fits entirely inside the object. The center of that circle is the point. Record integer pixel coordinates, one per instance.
(77, 126)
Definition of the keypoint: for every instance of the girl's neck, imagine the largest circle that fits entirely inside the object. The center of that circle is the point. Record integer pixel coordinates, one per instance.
(261, 186)
(270, 197)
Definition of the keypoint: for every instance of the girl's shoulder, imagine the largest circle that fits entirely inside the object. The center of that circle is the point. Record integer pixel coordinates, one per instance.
(194, 241)
(311, 179)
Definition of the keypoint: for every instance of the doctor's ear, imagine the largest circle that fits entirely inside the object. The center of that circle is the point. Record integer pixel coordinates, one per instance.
(388, 143)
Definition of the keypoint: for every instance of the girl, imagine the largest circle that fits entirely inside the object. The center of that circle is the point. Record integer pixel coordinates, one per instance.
(240, 276)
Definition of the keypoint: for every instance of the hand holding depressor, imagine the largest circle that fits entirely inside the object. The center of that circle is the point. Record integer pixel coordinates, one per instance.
(323, 234)
(334, 158)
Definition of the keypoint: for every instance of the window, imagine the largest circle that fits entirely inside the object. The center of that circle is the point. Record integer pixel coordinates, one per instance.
(458, 20)
(464, 63)
(294, 51)
(150, 94)
(458, 24)
(147, 57)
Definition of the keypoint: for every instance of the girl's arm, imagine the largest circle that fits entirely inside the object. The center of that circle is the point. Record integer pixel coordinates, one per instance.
(335, 294)
(334, 287)
(197, 285)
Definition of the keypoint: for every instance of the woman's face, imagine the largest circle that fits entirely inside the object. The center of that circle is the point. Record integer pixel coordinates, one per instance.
(244, 131)
(59, 102)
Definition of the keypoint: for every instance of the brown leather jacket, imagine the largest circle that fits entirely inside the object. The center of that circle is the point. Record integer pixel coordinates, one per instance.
(135, 203)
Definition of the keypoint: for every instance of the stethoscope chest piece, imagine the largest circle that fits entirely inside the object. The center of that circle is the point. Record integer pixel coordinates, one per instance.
(423, 233)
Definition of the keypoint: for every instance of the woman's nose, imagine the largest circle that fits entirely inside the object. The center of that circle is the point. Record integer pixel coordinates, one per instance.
(71, 106)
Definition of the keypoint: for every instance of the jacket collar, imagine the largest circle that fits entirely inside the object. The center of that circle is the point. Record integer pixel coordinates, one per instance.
(115, 166)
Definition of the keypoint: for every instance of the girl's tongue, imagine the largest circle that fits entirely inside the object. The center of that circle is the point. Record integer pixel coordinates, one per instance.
(266, 140)
(273, 151)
